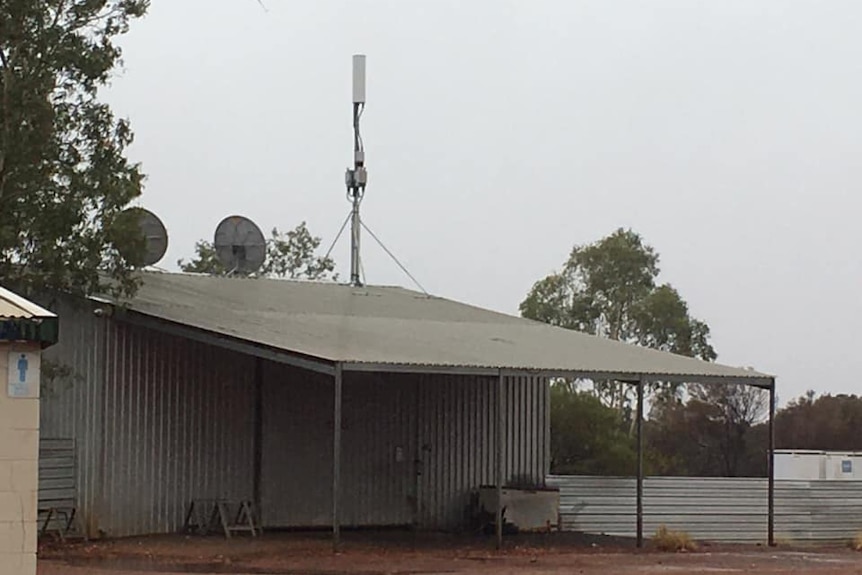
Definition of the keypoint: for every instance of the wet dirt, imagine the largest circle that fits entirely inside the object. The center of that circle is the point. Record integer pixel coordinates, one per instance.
(411, 554)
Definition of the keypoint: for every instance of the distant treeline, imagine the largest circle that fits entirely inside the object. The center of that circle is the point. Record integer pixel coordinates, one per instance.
(716, 431)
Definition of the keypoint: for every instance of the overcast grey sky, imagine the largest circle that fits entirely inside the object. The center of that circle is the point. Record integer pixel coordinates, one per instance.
(499, 133)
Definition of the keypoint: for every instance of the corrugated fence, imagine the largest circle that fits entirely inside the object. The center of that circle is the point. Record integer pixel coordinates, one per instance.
(712, 509)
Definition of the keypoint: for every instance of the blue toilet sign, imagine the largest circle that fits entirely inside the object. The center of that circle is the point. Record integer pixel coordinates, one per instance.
(23, 374)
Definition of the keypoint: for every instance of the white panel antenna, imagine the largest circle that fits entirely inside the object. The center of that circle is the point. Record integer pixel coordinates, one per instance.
(359, 79)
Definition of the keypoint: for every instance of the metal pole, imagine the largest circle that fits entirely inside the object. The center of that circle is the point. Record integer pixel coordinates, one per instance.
(640, 478)
(356, 178)
(420, 453)
(336, 461)
(498, 520)
(355, 225)
(771, 467)
(258, 436)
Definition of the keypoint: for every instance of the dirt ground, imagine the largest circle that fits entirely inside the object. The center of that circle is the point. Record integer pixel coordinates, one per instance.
(406, 554)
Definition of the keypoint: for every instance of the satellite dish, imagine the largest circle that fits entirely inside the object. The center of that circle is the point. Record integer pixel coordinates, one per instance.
(240, 245)
(154, 233)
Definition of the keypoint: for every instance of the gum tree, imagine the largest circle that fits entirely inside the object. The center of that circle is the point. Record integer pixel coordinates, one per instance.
(64, 174)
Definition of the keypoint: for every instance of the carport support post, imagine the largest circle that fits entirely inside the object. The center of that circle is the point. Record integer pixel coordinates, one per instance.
(336, 460)
(498, 518)
(640, 478)
(258, 439)
(771, 465)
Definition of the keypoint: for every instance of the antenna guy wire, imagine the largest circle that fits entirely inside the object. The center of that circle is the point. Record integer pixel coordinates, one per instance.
(338, 235)
(391, 255)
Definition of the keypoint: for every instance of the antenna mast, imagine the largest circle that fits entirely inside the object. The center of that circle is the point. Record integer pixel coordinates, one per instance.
(357, 177)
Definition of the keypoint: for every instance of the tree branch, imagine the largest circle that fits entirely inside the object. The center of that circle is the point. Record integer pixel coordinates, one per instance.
(5, 71)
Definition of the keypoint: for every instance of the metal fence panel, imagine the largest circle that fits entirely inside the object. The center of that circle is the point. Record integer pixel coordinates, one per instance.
(712, 509)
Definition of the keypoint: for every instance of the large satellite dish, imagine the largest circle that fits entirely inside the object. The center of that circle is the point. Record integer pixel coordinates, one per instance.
(240, 245)
(154, 233)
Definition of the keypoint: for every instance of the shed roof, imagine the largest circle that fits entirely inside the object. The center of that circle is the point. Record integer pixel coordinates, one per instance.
(13, 306)
(390, 328)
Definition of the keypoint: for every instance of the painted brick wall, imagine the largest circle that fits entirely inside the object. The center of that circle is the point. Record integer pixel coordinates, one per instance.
(19, 469)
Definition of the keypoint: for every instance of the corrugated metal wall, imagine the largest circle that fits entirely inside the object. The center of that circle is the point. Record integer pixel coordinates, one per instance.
(392, 427)
(296, 472)
(179, 425)
(159, 420)
(712, 509)
(378, 420)
(71, 407)
(457, 440)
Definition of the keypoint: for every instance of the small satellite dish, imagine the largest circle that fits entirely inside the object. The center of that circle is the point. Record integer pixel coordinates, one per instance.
(154, 233)
(240, 245)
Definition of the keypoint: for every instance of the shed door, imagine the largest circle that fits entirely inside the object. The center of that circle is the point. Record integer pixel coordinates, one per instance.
(378, 437)
(296, 464)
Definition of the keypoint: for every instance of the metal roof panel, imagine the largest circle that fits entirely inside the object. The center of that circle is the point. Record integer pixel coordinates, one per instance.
(390, 326)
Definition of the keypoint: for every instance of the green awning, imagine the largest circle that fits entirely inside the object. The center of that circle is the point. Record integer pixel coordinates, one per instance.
(42, 330)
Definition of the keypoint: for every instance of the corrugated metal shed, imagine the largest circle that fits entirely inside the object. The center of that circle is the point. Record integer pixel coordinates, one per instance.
(459, 400)
(381, 328)
(160, 419)
(13, 306)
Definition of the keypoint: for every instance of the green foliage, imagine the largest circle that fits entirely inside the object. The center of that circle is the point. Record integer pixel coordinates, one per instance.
(598, 288)
(721, 430)
(288, 255)
(587, 437)
(663, 322)
(205, 260)
(738, 409)
(292, 255)
(64, 177)
(829, 422)
(608, 288)
(56, 377)
(714, 434)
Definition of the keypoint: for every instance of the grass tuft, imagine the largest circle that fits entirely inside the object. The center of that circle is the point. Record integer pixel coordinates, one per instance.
(673, 541)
